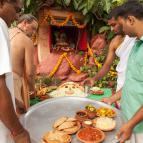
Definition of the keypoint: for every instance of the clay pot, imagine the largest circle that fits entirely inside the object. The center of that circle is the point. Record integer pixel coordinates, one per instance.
(91, 114)
(81, 115)
(87, 123)
(90, 135)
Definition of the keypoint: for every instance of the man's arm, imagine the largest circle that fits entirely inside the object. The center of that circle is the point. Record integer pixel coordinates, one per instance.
(116, 41)
(7, 113)
(8, 116)
(138, 117)
(126, 130)
(29, 65)
(113, 98)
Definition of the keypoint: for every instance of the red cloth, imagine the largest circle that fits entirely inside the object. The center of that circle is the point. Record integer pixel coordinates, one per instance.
(83, 41)
(49, 37)
(36, 61)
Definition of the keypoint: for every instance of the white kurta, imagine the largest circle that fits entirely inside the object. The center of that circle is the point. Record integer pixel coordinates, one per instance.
(123, 52)
(5, 68)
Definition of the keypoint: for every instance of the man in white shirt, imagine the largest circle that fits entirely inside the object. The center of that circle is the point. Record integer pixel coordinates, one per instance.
(120, 46)
(11, 131)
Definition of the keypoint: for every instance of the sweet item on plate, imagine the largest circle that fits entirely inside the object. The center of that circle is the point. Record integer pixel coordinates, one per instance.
(56, 137)
(69, 125)
(105, 112)
(90, 135)
(71, 119)
(73, 129)
(68, 89)
(66, 125)
(59, 121)
(96, 90)
(105, 123)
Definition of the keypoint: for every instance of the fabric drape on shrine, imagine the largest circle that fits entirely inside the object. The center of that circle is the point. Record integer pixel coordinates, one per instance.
(82, 44)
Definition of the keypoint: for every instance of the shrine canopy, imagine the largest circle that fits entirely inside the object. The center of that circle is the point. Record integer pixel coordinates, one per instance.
(66, 30)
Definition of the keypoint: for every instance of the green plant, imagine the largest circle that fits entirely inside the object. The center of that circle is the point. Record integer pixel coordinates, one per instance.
(95, 11)
(107, 81)
(47, 81)
(31, 6)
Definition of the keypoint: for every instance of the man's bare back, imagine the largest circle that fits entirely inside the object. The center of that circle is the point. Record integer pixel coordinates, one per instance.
(22, 67)
(20, 45)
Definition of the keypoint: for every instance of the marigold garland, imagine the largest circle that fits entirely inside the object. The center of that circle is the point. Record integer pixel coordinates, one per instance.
(60, 61)
(85, 58)
(91, 54)
(77, 24)
(57, 66)
(97, 63)
(59, 24)
(72, 66)
(64, 55)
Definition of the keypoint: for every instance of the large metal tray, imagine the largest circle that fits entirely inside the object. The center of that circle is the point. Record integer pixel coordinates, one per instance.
(40, 118)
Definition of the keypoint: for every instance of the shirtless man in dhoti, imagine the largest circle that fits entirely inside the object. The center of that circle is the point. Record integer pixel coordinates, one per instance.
(22, 60)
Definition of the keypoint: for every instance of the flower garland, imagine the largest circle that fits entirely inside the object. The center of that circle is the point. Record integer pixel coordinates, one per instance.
(59, 24)
(90, 52)
(72, 66)
(60, 61)
(85, 58)
(64, 55)
(97, 63)
(57, 66)
(77, 24)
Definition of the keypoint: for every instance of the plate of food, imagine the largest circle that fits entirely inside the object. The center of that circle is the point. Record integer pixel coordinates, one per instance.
(58, 114)
(63, 128)
(90, 135)
(104, 123)
(105, 112)
(96, 91)
(55, 136)
(69, 89)
(69, 125)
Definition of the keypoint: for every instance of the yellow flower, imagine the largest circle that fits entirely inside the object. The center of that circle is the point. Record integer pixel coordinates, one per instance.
(59, 62)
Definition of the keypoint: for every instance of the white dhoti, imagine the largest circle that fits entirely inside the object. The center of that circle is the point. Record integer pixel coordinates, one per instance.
(5, 136)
